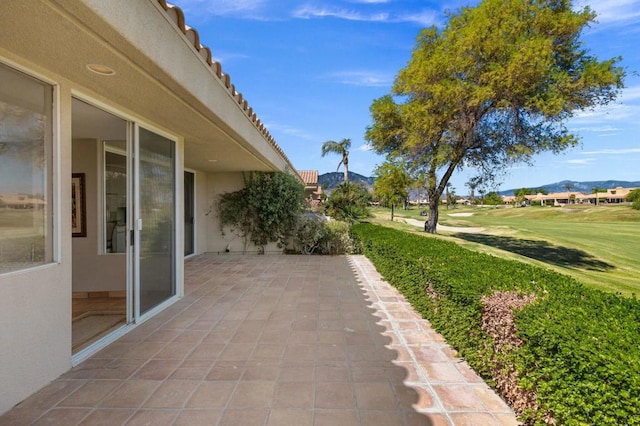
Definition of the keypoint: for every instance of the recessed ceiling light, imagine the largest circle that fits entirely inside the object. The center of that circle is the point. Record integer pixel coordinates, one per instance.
(100, 69)
(212, 161)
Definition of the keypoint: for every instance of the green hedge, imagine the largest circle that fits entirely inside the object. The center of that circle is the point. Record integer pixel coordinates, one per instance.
(581, 351)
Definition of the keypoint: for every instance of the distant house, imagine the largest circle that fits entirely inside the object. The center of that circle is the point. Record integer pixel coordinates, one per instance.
(312, 190)
(554, 198)
(611, 196)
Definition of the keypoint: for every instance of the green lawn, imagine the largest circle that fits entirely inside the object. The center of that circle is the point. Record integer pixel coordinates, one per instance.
(599, 246)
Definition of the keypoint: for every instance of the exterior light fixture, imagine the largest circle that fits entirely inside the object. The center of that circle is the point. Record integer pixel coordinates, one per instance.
(101, 69)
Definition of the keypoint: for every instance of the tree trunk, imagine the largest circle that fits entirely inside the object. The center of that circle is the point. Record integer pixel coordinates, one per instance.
(432, 220)
(346, 170)
(391, 212)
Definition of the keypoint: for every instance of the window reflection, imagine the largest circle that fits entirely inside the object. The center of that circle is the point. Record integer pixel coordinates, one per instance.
(25, 184)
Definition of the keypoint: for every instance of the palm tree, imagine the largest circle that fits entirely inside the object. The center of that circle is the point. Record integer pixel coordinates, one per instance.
(341, 148)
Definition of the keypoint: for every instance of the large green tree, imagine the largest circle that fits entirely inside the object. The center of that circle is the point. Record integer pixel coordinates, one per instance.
(341, 148)
(493, 87)
(392, 184)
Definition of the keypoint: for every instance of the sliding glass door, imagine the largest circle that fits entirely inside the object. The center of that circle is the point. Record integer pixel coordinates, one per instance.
(155, 224)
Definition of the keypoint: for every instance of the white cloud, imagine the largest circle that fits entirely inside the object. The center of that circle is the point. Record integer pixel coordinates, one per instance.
(309, 12)
(626, 108)
(581, 162)
(424, 18)
(365, 147)
(619, 151)
(362, 78)
(614, 11)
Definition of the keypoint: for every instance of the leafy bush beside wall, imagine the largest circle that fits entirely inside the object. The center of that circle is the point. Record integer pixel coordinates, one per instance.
(580, 351)
(265, 210)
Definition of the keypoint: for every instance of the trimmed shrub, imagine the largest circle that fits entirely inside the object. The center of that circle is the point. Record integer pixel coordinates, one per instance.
(315, 235)
(579, 353)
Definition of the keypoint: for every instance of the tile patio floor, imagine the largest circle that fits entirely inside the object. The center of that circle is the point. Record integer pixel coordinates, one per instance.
(273, 340)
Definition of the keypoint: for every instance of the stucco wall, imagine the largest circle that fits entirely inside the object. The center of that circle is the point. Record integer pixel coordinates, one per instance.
(93, 271)
(35, 305)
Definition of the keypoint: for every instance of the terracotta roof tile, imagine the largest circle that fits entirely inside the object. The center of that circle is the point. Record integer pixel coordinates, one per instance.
(309, 177)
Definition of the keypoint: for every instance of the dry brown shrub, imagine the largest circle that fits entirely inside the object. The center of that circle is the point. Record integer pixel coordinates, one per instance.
(498, 322)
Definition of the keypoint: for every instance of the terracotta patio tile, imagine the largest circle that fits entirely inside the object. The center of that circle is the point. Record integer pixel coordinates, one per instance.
(153, 417)
(108, 417)
(90, 394)
(489, 398)
(415, 397)
(290, 417)
(51, 394)
(144, 351)
(21, 416)
(413, 418)
(300, 352)
(207, 351)
(171, 394)
(268, 351)
(119, 368)
(458, 397)
(211, 395)
(87, 369)
(377, 418)
(63, 416)
(474, 419)
(442, 372)
(302, 337)
(332, 372)
(237, 352)
(131, 394)
(244, 417)
(162, 335)
(252, 395)
(226, 371)
(467, 372)
(157, 369)
(429, 353)
(332, 337)
(296, 372)
(198, 417)
(333, 417)
(191, 336)
(330, 352)
(294, 395)
(261, 370)
(375, 396)
(175, 350)
(335, 395)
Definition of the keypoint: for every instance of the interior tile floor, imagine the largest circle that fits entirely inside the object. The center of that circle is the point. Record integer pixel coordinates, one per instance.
(273, 340)
(95, 317)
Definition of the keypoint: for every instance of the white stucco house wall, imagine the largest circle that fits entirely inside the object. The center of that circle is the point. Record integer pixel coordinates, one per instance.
(117, 131)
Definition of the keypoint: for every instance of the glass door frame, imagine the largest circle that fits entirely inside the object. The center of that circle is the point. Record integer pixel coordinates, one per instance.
(136, 225)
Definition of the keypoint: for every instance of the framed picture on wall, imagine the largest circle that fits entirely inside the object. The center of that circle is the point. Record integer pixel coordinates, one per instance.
(78, 206)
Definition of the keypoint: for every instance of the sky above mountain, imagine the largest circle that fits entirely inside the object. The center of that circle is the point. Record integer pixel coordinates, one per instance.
(311, 69)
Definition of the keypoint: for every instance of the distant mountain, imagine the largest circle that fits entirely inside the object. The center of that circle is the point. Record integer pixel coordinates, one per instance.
(333, 179)
(585, 187)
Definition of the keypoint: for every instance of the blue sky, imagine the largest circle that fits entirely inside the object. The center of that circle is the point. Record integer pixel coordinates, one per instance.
(311, 69)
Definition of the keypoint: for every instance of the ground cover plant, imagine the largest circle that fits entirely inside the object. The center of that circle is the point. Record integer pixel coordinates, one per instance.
(596, 245)
(562, 354)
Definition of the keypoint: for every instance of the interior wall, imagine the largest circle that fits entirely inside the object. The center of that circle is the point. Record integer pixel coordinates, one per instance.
(93, 271)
